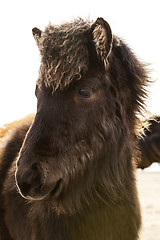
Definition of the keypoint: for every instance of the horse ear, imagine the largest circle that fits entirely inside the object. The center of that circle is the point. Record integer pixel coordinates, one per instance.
(37, 35)
(102, 38)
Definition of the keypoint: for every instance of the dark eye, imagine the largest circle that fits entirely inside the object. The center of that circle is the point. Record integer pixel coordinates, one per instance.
(85, 92)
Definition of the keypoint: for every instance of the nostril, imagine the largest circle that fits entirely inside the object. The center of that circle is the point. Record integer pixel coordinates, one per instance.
(36, 167)
(38, 175)
(37, 181)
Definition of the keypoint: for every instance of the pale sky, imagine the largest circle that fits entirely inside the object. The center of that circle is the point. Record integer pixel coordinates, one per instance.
(137, 22)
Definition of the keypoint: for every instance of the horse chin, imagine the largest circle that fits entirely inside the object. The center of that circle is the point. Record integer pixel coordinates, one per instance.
(45, 193)
(35, 198)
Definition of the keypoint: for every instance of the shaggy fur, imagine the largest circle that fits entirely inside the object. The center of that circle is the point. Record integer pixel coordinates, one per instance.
(64, 53)
(149, 145)
(11, 139)
(73, 177)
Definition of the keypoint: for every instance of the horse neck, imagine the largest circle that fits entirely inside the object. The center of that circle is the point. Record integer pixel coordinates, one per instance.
(86, 225)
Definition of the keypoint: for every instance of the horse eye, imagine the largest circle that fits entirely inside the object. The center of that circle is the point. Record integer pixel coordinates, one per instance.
(85, 92)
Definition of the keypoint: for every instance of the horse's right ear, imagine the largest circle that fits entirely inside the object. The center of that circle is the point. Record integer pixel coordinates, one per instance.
(37, 35)
(102, 39)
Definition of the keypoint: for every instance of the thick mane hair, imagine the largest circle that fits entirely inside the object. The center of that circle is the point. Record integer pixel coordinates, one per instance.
(72, 175)
(129, 82)
(65, 54)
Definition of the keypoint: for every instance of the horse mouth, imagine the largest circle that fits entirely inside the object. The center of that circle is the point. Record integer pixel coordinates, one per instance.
(56, 190)
(43, 195)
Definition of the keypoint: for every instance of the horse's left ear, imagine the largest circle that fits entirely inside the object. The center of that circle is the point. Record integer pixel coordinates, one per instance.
(102, 38)
(37, 35)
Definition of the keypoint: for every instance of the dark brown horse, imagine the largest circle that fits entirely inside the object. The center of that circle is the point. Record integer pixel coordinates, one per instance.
(74, 175)
(150, 144)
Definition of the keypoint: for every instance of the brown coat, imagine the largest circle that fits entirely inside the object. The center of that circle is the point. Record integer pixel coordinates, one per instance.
(73, 178)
